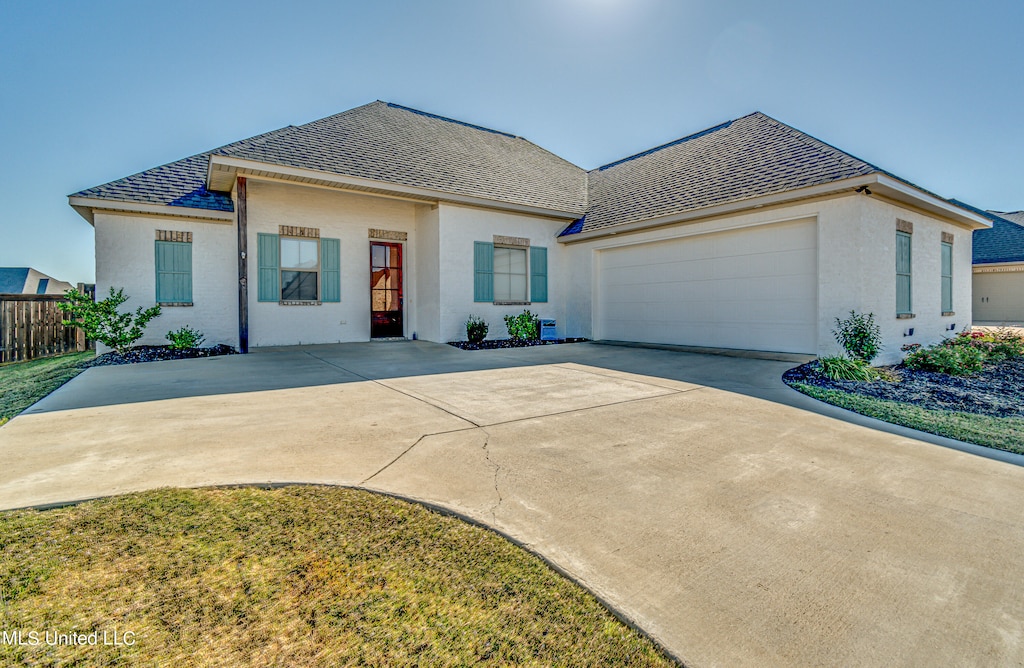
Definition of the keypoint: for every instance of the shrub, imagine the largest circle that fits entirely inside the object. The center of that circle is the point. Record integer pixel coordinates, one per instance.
(994, 346)
(476, 329)
(859, 336)
(523, 327)
(185, 338)
(845, 368)
(101, 321)
(955, 360)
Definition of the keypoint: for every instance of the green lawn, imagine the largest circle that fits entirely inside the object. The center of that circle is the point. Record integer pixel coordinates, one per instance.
(993, 432)
(24, 383)
(292, 576)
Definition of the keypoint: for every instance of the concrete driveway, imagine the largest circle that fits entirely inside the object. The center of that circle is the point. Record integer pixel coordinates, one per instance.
(695, 494)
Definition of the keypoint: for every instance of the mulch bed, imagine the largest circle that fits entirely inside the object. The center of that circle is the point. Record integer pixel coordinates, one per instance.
(998, 390)
(157, 354)
(508, 343)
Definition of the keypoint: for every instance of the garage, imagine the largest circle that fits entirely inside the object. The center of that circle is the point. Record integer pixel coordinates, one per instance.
(999, 294)
(754, 289)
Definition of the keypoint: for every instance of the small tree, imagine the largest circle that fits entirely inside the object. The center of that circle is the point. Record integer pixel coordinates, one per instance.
(101, 321)
(859, 336)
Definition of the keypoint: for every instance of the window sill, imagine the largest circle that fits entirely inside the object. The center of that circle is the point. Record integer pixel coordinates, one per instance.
(510, 303)
(905, 316)
(299, 302)
(945, 313)
(169, 304)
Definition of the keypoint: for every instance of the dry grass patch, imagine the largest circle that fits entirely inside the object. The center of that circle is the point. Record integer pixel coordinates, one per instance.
(292, 576)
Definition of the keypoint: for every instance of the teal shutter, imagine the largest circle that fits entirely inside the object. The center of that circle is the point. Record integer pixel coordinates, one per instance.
(903, 274)
(538, 274)
(173, 272)
(947, 277)
(330, 270)
(483, 271)
(268, 252)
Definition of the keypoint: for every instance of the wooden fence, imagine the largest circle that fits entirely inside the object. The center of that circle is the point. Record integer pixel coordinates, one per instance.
(30, 327)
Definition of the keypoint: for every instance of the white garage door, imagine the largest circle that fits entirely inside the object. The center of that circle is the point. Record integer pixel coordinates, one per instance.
(754, 289)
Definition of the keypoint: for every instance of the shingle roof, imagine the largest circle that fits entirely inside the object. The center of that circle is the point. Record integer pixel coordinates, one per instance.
(748, 157)
(384, 142)
(1003, 242)
(12, 279)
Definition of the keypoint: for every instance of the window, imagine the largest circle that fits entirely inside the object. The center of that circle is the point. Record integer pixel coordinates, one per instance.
(509, 274)
(44, 283)
(174, 273)
(298, 269)
(903, 275)
(300, 266)
(947, 277)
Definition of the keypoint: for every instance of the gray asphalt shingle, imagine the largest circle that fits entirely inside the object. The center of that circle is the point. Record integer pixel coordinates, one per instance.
(1003, 242)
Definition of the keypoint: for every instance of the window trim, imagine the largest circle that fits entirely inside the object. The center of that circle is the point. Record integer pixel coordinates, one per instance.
(281, 269)
(909, 274)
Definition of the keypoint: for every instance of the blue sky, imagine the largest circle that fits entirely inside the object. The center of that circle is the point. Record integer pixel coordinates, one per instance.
(90, 92)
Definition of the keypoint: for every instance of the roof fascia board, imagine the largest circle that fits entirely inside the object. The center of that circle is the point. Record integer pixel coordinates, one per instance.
(86, 206)
(321, 186)
(359, 182)
(904, 192)
(824, 189)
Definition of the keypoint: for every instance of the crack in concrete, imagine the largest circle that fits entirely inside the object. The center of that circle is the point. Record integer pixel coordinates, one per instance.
(497, 471)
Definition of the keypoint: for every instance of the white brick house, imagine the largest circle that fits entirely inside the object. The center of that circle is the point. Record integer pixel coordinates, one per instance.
(386, 221)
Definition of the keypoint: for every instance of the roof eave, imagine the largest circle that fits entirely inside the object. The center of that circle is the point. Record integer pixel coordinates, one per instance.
(87, 206)
(877, 182)
(223, 170)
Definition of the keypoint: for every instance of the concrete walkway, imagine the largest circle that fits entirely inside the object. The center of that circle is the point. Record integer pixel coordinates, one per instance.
(693, 493)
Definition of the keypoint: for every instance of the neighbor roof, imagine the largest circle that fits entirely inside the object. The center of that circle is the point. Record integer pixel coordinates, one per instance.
(384, 142)
(1003, 242)
(751, 156)
(12, 279)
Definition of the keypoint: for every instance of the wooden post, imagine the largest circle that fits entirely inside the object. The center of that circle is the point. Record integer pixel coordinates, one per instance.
(243, 283)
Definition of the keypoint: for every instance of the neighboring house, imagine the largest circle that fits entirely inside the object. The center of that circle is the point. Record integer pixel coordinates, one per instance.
(28, 281)
(387, 221)
(999, 270)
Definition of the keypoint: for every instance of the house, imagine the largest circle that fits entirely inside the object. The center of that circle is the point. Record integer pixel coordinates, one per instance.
(385, 221)
(28, 281)
(998, 281)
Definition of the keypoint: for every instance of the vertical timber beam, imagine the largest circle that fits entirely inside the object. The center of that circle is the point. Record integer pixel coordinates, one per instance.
(243, 283)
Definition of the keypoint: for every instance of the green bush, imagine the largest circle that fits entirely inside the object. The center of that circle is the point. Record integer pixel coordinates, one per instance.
(994, 346)
(185, 338)
(476, 329)
(523, 327)
(955, 360)
(845, 368)
(859, 336)
(101, 321)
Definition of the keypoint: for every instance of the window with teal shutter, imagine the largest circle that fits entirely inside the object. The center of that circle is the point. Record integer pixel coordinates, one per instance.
(330, 270)
(268, 262)
(903, 273)
(538, 274)
(173, 272)
(947, 277)
(483, 271)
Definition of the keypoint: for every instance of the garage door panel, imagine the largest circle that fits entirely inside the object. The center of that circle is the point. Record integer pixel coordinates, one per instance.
(753, 289)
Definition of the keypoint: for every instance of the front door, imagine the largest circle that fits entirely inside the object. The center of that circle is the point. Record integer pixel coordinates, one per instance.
(385, 290)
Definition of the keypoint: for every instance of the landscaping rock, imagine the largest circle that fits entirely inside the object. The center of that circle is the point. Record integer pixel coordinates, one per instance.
(998, 390)
(495, 344)
(158, 353)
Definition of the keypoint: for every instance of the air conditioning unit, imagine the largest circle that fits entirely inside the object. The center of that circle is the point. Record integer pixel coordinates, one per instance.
(547, 330)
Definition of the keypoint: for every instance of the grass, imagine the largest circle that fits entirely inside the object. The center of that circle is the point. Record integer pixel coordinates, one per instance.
(292, 576)
(993, 432)
(24, 383)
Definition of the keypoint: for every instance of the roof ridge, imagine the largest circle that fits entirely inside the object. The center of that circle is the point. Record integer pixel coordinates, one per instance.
(450, 120)
(674, 142)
